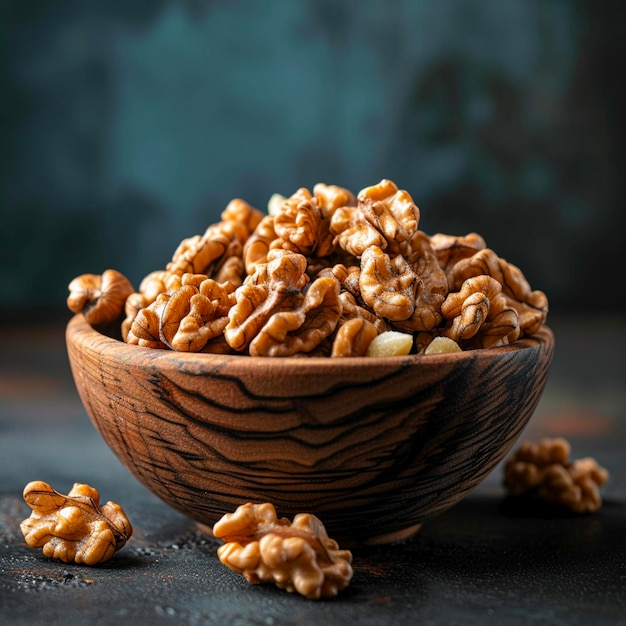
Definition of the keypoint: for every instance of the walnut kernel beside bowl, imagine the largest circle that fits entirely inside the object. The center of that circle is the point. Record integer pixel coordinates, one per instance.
(372, 446)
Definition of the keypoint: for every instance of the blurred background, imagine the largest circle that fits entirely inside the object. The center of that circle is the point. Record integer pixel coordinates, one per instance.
(127, 126)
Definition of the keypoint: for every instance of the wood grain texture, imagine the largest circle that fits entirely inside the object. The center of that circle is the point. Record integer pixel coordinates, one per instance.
(372, 446)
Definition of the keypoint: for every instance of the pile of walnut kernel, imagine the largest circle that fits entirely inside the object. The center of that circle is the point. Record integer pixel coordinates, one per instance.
(326, 273)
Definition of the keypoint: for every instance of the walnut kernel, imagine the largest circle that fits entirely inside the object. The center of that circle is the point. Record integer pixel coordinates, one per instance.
(74, 527)
(99, 297)
(297, 556)
(390, 343)
(543, 470)
(442, 345)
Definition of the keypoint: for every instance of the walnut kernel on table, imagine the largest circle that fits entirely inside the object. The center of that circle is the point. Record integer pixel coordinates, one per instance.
(100, 298)
(297, 556)
(298, 276)
(74, 527)
(543, 470)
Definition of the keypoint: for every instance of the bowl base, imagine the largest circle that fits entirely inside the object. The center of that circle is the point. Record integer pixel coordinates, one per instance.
(393, 537)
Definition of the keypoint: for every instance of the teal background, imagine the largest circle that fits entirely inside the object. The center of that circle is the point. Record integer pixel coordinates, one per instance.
(127, 126)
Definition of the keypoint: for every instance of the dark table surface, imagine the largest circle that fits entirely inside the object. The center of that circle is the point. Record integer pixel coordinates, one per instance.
(485, 561)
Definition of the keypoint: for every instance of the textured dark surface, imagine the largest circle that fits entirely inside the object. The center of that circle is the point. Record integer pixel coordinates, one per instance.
(475, 564)
(485, 561)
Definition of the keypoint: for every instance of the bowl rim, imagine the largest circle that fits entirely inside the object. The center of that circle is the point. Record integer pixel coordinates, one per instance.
(79, 331)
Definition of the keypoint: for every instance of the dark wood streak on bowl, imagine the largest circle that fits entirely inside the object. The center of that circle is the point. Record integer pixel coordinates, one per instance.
(373, 447)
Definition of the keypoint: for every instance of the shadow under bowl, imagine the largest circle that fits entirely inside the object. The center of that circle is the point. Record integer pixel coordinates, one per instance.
(373, 446)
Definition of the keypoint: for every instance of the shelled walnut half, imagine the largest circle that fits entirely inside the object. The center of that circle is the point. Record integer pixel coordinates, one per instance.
(100, 297)
(543, 470)
(73, 527)
(297, 556)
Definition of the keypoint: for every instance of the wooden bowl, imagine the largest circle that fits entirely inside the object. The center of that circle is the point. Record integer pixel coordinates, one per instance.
(373, 446)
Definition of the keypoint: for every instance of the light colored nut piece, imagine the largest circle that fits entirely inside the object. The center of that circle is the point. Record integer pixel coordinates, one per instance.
(442, 345)
(99, 297)
(390, 343)
(297, 556)
(544, 471)
(74, 527)
(353, 338)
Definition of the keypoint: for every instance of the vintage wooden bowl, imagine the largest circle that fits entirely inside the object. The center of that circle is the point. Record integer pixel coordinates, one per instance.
(373, 447)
